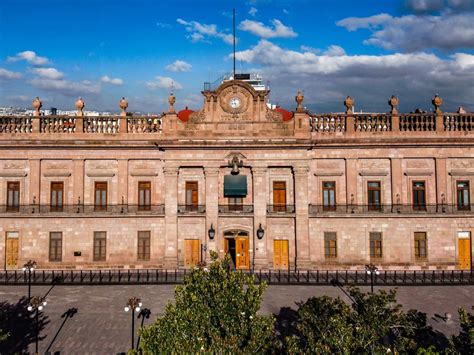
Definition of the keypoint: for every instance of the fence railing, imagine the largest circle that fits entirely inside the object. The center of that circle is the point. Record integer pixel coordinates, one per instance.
(83, 210)
(235, 209)
(191, 209)
(272, 277)
(390, 209)
(280, 209)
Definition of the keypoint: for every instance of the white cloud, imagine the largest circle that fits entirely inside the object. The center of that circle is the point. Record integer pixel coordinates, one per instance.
(163, 82)
(371, 79)
(66, 87)
(8, 74)
(22, 98)
(415, 33)
(260, 30)
(253, 11)
(334, 51)
(29, 56)
(200, 31)
(50, 73)
(179, 66)
(163, 25)
(113, 81)
(431, 6)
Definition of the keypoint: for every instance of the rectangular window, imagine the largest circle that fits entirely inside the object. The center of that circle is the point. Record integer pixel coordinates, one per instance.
(279, 196)
(463, 198)
(144, 195)
(419, 195)
(330, 245)
(55, 246)
(236, 203)
(375, 245)
(192, 196)
(13, 196)
(143, 252)
(374, 195)
(329, 195)
(100, 199)
(421, 251)
(57, 193)
(100, 242)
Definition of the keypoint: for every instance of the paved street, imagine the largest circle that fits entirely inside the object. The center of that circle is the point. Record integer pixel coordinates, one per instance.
(101, 326)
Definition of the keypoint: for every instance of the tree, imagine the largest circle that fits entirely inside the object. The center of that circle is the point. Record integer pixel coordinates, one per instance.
(215, 310)
(464, 342)
(374, 323)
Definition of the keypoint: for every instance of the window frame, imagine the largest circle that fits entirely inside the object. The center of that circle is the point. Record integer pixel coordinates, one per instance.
(420, 238)
(372, 205)
(58, 207)
(143, 251)
(376, 245)
(328, 190)
(191, 195)
(460, 194)
(53, 256)
(279, 185)
(144, 186)
(100, 206)
(13, 206)
(330, 245)
(415, 192)
(99, 236)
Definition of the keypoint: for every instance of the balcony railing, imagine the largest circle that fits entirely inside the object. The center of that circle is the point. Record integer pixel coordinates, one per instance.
(235, 209)
(390, 209)
(83, 210)
(280, 209)
(191, 209)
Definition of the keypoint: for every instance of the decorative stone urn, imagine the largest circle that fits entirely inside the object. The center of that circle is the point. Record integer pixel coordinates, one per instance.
(80, 104)
(37, 104)
(299, 101)
(437, 102)
(349, 103)
(393, 102)
(171, 101)
(123, 104)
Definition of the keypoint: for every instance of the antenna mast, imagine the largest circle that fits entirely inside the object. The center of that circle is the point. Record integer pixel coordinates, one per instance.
(233, 28)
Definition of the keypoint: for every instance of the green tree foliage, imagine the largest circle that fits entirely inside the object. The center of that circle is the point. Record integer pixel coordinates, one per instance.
(464, 342)
(215, 310)
(373, 324)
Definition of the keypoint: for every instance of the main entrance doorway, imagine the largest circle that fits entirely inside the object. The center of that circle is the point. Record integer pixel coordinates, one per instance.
(280, 254)
(191, 252)
(464, 250)
(237, 245)
(12, 243)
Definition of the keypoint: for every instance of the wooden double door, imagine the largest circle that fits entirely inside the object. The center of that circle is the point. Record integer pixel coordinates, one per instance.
(11, 252)
(280, 254)
(238, 249)
(191, 252)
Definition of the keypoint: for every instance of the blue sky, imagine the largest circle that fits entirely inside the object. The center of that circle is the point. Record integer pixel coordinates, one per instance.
(103, 50)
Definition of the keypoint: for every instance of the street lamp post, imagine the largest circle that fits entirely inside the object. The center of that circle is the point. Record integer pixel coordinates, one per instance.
(36, 305)
(30, 265)
(133, 304)
(371, 270)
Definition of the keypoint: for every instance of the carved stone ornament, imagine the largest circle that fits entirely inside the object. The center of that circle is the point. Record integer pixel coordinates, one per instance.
(349, 103)
(80, 104)
(236, 164)
(437, 102)
(123, 104)
(171, 101)
(274, 116)
(37, 104)
(197, 117)
(299, 101)
(393, 102)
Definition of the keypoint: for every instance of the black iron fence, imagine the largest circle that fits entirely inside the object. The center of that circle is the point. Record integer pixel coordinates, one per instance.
(390, 209)
(272, 277)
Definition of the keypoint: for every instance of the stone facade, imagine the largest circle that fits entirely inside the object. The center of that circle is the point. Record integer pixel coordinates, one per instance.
(167, 152)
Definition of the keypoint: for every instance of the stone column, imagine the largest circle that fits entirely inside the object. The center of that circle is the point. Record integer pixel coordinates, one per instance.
(260, 197)
(397, 180)
(302, 217)
(122, 181)
(441, 182)
(171, 216)
(78, 181)
(33, 198)
(212, 208)
(351, 181)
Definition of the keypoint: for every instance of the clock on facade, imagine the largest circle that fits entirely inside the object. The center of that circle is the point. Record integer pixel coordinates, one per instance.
(234, 102)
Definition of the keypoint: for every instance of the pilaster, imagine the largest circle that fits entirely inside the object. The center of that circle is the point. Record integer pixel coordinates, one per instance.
(397, 179)
(35, 182)
(302, 217)
(78, 182)
(441, 181)
(351, 181)
(260, 195)
(212, 208)
(171, 216)
(123, 181)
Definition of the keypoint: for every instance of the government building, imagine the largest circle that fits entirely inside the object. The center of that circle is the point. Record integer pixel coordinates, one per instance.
(273, 188)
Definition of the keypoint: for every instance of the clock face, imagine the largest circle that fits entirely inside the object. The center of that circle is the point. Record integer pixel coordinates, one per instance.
(234, 102)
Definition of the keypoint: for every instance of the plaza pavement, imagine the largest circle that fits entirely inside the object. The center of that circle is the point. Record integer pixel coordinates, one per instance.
(101, 326)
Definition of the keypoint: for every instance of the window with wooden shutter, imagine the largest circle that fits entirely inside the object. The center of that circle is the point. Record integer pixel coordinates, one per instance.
(279, 196)
(421, 251)
(13, 196)
(100, 243)
(144, 195)
(330, 245)
(374, 195)
(329, 195)
(419, 195)
(57, 195)
(375, 245)
(192, 197)
(463, 198)
(100, 199)
(143, 252)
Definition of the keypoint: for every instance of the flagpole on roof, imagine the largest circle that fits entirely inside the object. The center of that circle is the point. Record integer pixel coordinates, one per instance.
(233, 28)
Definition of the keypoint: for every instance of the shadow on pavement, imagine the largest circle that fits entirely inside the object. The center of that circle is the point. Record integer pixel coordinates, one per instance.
(20, 325)
(66, 315)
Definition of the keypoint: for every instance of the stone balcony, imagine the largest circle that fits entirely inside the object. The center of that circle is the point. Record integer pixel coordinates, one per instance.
(82, 210)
